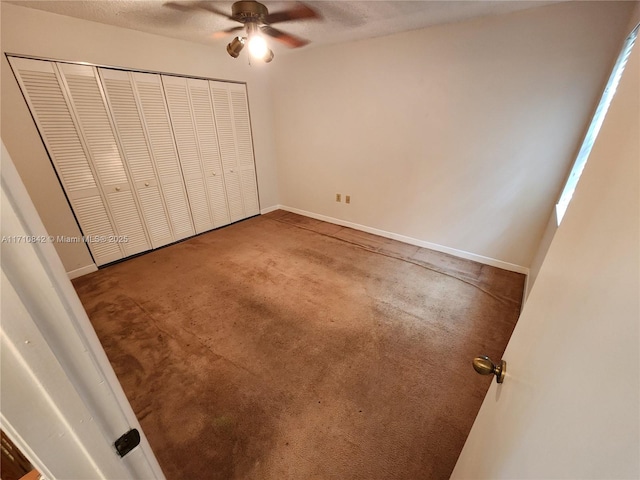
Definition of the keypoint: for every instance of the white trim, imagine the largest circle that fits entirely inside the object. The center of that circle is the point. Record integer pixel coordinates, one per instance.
(271, 209)
(78, 272)
(410, 240)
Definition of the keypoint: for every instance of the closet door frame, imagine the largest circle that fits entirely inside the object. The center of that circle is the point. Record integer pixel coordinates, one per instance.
(100, 188)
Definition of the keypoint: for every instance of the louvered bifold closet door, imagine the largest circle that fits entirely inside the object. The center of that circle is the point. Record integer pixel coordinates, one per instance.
(130, 131)
(96, 129)
(202, 109)
(236, 147)
(150, 97)
(177, 94)
(49, 106)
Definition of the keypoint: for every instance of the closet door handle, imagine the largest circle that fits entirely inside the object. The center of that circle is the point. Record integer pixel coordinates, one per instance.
(146, 184)
(231, 170)
(117, 189)
(213, 173)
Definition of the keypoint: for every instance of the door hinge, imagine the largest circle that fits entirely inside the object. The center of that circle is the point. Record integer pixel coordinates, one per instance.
(127, 442)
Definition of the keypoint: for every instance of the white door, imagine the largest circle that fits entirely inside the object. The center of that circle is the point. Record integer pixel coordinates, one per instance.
(203, 118)
(244, 145)
(89, 105)
(568, 407)
(61, 402)
(184, 131)
(49, 105)
(129, 127)
(151, 101)
(228, 148)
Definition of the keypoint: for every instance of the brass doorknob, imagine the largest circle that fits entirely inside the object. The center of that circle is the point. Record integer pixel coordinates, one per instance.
(485, 366)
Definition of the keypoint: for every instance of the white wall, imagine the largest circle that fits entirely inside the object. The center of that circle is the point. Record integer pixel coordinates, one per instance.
(568, 407)
(33, 32)
(459, 135)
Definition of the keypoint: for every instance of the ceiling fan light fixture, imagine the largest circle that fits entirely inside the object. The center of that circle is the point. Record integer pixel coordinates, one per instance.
(258, 46)
(235, 47)
(255, 21)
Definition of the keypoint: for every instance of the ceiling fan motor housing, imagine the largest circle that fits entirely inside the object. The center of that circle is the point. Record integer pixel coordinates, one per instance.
(248, 11)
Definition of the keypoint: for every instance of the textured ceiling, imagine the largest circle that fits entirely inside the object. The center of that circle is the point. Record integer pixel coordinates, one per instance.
(342, 20)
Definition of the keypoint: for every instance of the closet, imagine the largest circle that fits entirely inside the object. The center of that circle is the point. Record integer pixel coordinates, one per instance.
(144, 159)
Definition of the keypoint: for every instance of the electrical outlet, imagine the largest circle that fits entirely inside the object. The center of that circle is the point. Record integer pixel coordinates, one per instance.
(338, 197)
(347, 199)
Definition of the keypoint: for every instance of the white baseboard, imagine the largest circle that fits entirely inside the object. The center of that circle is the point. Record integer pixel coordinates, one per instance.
(271, 209)
(411, 241)
(78, 272)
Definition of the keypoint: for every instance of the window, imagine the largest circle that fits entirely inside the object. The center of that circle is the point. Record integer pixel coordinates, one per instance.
(594, 127)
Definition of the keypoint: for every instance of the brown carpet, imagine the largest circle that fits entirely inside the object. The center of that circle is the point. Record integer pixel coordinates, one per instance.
(282, 347)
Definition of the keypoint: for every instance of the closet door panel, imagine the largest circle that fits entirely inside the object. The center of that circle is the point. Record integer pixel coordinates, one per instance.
(208, 144)
(55, 123)
(130, 130)
(177, 95)
(244, 144)
(90, 109)
(227, 141)
(148, 89)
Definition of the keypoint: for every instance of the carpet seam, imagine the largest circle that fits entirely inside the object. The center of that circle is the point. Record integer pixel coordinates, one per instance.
(186, 330)
(403, 259)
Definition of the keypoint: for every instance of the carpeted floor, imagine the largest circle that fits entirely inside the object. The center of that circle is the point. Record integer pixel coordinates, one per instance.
(282, 347)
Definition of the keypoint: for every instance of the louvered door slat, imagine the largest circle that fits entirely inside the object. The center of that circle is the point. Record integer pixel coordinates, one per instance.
(53, 118)
(177, 95)
(208, 145)
(122, 103)
(148, 89)
(96, 129)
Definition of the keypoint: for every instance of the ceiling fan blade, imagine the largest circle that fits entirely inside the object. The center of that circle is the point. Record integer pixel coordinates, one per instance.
(200, 5)
(286, 38)
(298, 12)
(228, 31)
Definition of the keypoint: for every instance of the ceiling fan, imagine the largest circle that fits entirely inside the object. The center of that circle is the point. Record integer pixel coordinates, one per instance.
(256, 22)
